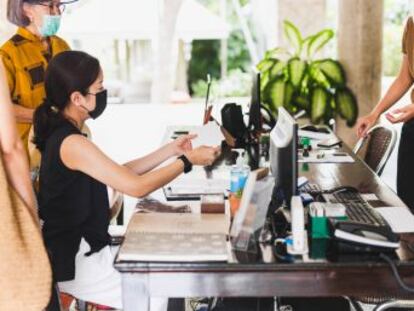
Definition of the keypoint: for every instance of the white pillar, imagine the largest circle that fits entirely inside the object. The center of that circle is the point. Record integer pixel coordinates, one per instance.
(165, 48)
(360, 51)
(182, 67)
(223, 42)
(265, 17)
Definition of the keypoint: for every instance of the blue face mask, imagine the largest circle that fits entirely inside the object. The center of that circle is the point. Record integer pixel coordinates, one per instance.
(51, 24)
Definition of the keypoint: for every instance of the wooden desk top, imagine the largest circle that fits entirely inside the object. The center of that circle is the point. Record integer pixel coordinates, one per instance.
(374, 274)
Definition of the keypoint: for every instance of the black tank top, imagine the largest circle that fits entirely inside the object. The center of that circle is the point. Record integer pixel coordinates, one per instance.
(72, 205)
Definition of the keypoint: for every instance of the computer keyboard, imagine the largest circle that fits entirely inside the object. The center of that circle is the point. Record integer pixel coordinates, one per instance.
(312, 189)
(364, 214)
(358, 210)
(362, 217)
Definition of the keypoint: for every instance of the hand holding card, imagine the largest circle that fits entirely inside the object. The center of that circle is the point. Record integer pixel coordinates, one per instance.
(401, 115)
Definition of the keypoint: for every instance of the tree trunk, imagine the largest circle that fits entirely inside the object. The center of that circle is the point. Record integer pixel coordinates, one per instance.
(360, 51)
(165, 49)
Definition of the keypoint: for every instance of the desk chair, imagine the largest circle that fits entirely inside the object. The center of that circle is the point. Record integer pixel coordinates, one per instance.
(378, 146)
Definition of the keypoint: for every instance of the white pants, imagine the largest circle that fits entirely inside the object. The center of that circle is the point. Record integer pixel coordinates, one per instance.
(97, 281)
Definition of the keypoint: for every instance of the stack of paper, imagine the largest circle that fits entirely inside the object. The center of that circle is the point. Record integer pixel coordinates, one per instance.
(176, 238)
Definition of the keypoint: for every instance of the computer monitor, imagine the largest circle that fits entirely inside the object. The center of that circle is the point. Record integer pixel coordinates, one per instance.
(284, 157)
(255, 117)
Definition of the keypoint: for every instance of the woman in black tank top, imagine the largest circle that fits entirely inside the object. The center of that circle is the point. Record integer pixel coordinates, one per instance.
(74, 173)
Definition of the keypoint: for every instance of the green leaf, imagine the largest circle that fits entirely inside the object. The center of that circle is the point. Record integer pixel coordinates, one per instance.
(266, 64)
(318, 77)
(320, 99)
(333, 71)
(275, 53)
(277, 69)
(292, 33)
(288, 96)
(346, 106)
(330, 111)
(296, 71)
(302, 101)
(276, 93)
(318, 41)
(306, 42)
(264, 80)
(280, 94)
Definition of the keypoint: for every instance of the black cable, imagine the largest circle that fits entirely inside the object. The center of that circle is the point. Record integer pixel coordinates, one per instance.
(396, 274)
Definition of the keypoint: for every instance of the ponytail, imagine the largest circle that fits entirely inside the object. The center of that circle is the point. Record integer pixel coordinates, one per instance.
(47, 118)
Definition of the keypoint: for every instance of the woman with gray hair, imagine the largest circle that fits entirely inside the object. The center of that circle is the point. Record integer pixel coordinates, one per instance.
(26, 56)
(25, 274)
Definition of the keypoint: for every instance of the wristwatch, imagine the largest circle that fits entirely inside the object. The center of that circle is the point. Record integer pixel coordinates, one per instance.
(188, 166)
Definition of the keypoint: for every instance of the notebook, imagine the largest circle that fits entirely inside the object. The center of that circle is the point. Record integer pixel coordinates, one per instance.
(168, 237)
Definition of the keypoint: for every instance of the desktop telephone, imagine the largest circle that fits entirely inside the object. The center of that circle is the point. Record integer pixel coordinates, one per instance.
(363, 221)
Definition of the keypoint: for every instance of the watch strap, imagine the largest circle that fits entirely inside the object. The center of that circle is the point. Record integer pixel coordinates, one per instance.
(188, 166)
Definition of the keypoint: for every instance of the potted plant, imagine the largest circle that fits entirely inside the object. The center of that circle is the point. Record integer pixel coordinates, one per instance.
(294, 79)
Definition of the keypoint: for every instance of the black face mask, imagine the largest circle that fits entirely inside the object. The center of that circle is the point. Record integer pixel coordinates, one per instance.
(101, 101)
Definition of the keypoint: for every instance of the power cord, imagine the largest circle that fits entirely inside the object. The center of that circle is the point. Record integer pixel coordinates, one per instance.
(396, 274)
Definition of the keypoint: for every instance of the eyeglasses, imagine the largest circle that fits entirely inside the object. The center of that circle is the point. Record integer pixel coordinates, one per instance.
(60, 6)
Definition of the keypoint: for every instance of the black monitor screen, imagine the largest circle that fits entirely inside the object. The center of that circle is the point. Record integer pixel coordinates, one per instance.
(283, 157)
(255, 118)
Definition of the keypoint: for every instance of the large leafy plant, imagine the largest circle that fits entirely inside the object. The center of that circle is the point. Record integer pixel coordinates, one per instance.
(294, 79)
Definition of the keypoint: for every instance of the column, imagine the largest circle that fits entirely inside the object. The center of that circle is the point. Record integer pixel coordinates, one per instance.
(360, 32)
(307, 15)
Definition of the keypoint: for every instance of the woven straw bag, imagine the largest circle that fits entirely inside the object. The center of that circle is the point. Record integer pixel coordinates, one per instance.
(25, 274)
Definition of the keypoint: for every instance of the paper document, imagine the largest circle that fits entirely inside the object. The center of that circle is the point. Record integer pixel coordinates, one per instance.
(208, 135)
(164, 237)
(400, 219)
(179, 223)
(198, 186)
(315, 135)
(325, 156)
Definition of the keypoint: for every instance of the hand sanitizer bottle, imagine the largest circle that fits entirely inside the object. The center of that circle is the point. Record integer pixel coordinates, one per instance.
(238, 177)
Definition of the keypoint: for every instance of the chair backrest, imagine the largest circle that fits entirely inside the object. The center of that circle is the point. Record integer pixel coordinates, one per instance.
(378, 145)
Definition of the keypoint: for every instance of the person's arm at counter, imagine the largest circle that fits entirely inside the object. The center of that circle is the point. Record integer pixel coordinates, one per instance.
(177, 147)
(78, 153)
(398, 88)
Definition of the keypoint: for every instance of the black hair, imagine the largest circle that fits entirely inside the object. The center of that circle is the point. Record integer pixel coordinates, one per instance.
(68, 72)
